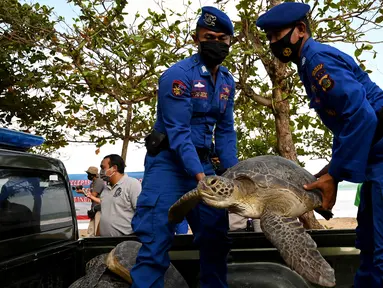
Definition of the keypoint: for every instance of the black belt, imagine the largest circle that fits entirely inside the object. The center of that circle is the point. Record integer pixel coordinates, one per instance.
(156, 141)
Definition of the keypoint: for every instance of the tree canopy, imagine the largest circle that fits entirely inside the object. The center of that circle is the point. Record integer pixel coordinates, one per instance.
(96, 80)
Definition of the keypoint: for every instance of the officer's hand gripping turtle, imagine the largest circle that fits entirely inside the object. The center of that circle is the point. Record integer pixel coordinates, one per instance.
(350, 105)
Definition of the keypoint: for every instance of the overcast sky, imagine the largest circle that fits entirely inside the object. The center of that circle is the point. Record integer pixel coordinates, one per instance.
(77, 157)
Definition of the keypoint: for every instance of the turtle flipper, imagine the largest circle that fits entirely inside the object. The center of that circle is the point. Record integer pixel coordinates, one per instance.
(181, 208)
(310, 222)
(297, 248)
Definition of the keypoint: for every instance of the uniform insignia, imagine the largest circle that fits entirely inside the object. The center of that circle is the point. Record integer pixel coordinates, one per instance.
(316, 69)
(326, 83)
(303, 61)
(331, 112)
(209, 19)
(313, 89)
(287, 52)
(178, 88)
(320, 74)
(204, 70)
(224, 95)
(199, 85)
(199, 89)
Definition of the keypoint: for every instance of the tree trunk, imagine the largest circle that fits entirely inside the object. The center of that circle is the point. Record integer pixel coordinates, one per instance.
(126, 139)
(281, 111)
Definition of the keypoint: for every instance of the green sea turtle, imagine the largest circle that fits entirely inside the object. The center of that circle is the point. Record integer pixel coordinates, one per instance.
(269, 188)
(112, 270)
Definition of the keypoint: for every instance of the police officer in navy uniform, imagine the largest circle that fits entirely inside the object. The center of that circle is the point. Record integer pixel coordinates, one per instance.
(350, 105)
(195, 105)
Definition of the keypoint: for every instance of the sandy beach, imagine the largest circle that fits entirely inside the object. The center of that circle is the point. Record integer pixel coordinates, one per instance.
(335, 223)
(339, 223)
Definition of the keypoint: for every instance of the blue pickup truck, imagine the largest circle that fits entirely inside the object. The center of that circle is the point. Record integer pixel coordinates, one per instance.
(40, 244)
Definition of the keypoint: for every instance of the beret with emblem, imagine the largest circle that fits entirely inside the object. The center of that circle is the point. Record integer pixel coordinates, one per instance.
(215, 20)
(282, 15)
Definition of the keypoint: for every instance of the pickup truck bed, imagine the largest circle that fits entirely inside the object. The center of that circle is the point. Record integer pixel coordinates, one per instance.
(40, 246)
(61, 264)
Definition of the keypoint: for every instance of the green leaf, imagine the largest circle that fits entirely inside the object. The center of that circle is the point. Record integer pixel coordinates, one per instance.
(368, 47)
(358, 52)
(334, 5)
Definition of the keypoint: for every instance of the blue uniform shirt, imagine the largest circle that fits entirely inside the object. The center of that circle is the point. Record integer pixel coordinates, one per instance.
(347, 101)
(191, 108)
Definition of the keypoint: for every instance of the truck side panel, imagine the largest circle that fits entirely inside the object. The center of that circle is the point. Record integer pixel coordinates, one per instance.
(337, 247)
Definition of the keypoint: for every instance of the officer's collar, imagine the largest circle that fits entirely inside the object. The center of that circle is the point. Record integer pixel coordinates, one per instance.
(305, 53)
(202, 67)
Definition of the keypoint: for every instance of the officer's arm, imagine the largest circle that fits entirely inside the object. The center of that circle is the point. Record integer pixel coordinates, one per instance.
(175, 103)
(225, 135)
(347, 97)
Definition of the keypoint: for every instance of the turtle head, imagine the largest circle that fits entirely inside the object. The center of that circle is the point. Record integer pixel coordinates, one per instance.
(217, 191)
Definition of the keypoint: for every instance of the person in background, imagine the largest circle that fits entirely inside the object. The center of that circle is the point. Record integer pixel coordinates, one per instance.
(357, 196)
(119, 199)
(350, 105)
(96, 187)
(239, 223)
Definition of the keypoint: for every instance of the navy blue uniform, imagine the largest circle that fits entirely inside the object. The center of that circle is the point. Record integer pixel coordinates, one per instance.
(349, 104)
(347, 101)
(191, 110)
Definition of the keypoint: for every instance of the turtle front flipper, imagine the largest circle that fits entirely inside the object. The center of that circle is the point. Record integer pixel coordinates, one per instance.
(181, 208)
(310, 222)
(297, 248)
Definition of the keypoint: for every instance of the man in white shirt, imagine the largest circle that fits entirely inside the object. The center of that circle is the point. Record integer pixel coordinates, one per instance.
(119, 198)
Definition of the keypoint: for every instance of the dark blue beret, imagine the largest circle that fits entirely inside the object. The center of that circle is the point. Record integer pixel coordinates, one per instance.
(282, 15)
(214, 19)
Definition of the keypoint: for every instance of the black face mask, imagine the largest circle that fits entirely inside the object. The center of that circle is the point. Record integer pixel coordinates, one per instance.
(284, 50)
(213, 52)
(90, 177)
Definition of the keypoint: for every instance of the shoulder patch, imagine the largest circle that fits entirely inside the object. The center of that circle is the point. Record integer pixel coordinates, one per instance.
(178, 88)
(316, 69)
(326, 82)
(331, 112)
